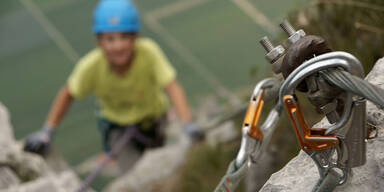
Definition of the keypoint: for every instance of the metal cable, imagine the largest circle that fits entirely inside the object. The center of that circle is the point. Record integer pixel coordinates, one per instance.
(353, 84)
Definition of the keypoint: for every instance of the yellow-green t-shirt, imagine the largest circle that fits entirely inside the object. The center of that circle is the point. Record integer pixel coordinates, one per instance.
(125, 99)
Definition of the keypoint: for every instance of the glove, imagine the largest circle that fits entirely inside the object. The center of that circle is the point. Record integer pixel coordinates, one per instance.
(39, 142)
(194, 132)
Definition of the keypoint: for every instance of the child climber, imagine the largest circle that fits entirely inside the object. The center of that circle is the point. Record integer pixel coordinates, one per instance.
(132, 80)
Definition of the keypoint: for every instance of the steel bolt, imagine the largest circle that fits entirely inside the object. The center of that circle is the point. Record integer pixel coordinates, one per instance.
(287, 27)
(266, 43)
(274, 54)
(294, 35)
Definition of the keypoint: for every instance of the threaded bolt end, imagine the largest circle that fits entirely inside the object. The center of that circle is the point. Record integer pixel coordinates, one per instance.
(266, 43)
(287, 27)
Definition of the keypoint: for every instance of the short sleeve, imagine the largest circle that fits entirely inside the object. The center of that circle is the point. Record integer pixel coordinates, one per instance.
(164, 72)
(80, 82)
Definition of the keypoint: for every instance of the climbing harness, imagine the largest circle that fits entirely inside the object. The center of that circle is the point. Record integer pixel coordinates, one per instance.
(254, 137)
(130, 132)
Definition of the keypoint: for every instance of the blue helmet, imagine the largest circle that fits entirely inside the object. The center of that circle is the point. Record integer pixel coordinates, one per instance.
(115, 16)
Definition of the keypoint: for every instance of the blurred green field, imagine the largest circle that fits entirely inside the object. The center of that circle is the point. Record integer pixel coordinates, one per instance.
(33, 68)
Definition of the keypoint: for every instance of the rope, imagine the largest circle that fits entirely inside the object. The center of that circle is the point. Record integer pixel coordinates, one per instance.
(130, 132)
(232, 178)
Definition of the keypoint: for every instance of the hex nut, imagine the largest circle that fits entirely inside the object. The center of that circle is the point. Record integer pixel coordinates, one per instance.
(275, 54)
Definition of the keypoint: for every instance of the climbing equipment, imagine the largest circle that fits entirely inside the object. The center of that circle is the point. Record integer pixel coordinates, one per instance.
(129, 133)
(333, 80)
(334, 85)
(254, 137)
(346, 136)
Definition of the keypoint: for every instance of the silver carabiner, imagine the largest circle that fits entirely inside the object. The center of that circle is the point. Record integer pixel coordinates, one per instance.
(252, 143)
(320, 144)
(334, 59)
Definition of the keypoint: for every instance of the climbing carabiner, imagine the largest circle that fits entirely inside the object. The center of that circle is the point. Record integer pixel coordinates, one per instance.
(316, 138)
(254, 138)
(320, 143)
(252, 133)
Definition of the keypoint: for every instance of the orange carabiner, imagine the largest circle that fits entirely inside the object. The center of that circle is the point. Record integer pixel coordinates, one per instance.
(311, 139)
(253, 114)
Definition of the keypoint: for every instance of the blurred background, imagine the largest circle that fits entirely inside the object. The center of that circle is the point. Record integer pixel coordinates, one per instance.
(213, 44)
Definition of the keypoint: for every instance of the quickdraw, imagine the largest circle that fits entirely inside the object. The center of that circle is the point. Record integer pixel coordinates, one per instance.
(254, 137)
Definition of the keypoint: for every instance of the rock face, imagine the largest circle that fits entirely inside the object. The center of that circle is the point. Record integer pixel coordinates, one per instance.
(62, 182)
(6, 130)
(26, 172)
(8, 178)
(301, 174)
(153, 168)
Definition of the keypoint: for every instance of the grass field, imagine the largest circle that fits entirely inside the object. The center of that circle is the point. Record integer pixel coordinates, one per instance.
(216, 35)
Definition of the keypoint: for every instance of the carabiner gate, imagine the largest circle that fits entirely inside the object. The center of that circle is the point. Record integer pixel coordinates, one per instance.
(252, 135)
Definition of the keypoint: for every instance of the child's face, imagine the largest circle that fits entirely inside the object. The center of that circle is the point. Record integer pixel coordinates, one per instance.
(117, 46)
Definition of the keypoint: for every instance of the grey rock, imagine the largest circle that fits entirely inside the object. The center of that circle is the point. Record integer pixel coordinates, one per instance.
(21, 171)
(301, 174)
(39, 185)
(63, 182)
(34, 173)
(153, 168)
(27, 166)
(66, 181)
(8, 178)
(6, 130)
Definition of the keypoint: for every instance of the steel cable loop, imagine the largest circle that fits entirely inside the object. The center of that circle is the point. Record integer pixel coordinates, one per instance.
(375, 92)
(353, 84)
(358, 86)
